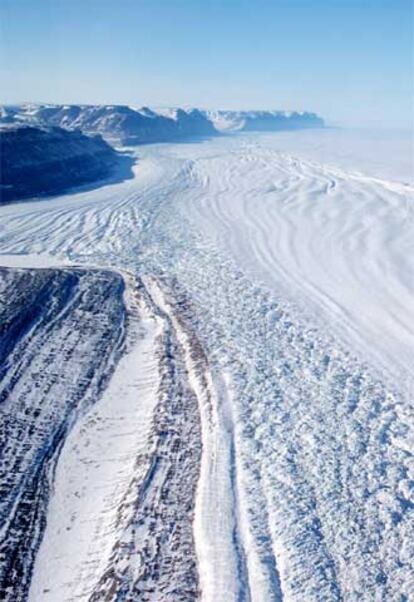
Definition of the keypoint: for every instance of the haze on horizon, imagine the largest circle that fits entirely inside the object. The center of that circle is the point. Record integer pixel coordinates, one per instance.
(351, 61)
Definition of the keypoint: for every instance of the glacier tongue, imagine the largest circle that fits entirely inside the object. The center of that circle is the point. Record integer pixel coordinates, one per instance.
(285, 287)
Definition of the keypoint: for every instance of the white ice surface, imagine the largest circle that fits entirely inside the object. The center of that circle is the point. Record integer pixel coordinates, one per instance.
(336, 241)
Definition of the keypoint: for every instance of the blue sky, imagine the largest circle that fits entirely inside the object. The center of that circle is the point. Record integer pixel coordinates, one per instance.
(349, 60)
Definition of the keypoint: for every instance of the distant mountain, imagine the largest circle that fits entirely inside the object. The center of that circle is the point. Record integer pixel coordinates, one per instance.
(37, 161)
(263, 121)
(124, 125)
(118, 124)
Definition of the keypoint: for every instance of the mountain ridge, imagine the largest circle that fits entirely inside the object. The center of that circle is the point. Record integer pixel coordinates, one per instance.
(125, 125)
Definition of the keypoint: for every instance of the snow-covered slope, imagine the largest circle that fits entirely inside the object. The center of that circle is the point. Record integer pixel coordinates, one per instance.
(52, 323)
(260, 421)
(48, 160)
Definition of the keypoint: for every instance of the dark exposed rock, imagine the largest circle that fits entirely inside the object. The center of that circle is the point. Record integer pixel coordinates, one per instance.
(39, 161)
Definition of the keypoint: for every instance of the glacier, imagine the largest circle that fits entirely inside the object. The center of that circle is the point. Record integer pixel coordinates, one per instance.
(247, 433)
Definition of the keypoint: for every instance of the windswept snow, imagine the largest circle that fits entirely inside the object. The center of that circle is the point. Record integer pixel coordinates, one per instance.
(269, 395)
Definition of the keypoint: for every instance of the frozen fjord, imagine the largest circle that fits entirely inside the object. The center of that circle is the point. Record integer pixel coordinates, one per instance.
(286, 286)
